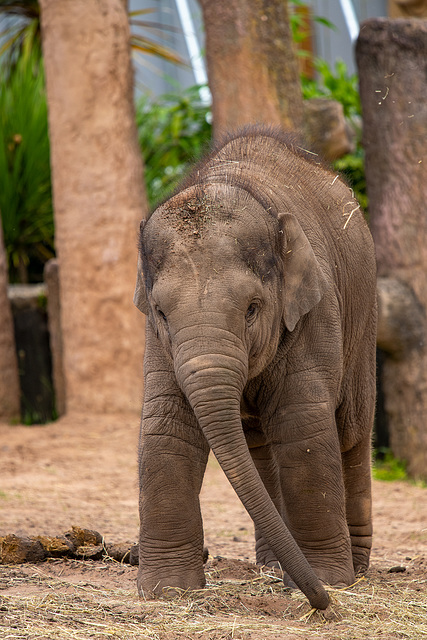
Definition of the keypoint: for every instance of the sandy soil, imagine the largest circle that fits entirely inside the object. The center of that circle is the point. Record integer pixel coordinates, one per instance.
(82, 471)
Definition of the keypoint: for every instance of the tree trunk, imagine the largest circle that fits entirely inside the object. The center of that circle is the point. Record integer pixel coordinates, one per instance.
(392, 60)
(98, 199)
(252, 68)
(9, 380)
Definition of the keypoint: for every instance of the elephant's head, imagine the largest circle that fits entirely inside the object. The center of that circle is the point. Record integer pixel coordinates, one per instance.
(219, 279)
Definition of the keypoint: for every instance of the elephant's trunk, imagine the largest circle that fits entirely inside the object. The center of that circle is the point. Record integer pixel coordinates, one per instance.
(213, 385)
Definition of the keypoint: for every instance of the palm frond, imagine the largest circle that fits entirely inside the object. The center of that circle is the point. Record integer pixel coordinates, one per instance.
(145, 45)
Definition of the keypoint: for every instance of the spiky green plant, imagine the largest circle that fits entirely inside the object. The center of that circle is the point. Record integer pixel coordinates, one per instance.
(25, 196)
(143, 43)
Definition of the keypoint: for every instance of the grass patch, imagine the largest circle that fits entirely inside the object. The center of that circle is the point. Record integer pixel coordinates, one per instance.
(388, 468)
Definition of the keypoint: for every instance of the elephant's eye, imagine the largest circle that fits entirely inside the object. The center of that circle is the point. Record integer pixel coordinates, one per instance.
(252, 312)
(161, 314)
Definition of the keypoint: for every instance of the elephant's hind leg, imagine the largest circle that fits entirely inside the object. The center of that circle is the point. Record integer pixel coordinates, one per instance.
(355, 419)
(357, 479)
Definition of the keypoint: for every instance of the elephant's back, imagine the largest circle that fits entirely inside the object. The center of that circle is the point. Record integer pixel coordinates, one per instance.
(286, 178)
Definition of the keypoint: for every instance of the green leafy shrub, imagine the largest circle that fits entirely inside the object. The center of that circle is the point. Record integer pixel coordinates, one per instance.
(25, 196)
(334, 83)
(387, 468)
(173, 130)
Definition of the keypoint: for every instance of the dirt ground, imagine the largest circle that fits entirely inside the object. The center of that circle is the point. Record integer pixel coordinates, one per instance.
(82, 471)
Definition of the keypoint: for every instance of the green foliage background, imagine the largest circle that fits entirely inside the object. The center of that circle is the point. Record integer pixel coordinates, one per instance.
(173, 130)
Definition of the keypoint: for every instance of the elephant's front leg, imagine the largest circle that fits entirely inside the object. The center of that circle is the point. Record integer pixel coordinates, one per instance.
(172, 462)
(171, 534)
(312, 485)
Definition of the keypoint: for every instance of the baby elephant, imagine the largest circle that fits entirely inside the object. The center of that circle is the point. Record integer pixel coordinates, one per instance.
(258, 281)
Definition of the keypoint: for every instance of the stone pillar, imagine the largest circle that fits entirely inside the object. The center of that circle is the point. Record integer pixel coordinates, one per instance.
(9, 381)
(392, 61)
(252, 65)
(98, 198)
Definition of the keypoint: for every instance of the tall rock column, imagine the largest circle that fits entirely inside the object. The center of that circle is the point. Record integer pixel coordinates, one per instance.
(392, 61)
(9, 379)
(98, 199)
(252, 66)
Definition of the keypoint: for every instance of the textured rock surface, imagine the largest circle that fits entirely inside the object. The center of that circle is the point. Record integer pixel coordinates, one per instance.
(98, 200)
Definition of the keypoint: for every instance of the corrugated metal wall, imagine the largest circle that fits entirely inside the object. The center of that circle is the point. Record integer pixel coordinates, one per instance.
(337, 44)
(152, 74)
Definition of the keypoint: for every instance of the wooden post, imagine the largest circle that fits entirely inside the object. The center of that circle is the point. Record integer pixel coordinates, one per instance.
(392, 61)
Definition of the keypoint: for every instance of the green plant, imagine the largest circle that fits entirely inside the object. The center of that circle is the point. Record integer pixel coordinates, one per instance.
(334, 83)
(300, 28)
(141, 42)
(352, 166)
(22, 33)
(173, 131)
(25, 197)
(387, 468)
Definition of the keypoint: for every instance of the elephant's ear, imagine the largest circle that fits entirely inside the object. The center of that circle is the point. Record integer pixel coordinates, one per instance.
(305, 282)
(140, 295)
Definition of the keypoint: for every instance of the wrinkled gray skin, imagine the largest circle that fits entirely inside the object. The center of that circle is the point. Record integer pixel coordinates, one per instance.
(258, 280)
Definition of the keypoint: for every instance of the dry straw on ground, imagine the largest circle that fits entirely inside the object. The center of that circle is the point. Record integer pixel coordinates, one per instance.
(65, 599)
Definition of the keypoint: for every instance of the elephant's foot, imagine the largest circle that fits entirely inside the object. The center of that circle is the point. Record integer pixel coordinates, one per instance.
(333, 572)
(360, 559)
(334, 567)
(360, 549)
(155, 583)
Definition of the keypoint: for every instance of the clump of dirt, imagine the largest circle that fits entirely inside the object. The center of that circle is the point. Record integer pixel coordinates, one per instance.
(226, 568)
(16, 549)
(83, 544)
